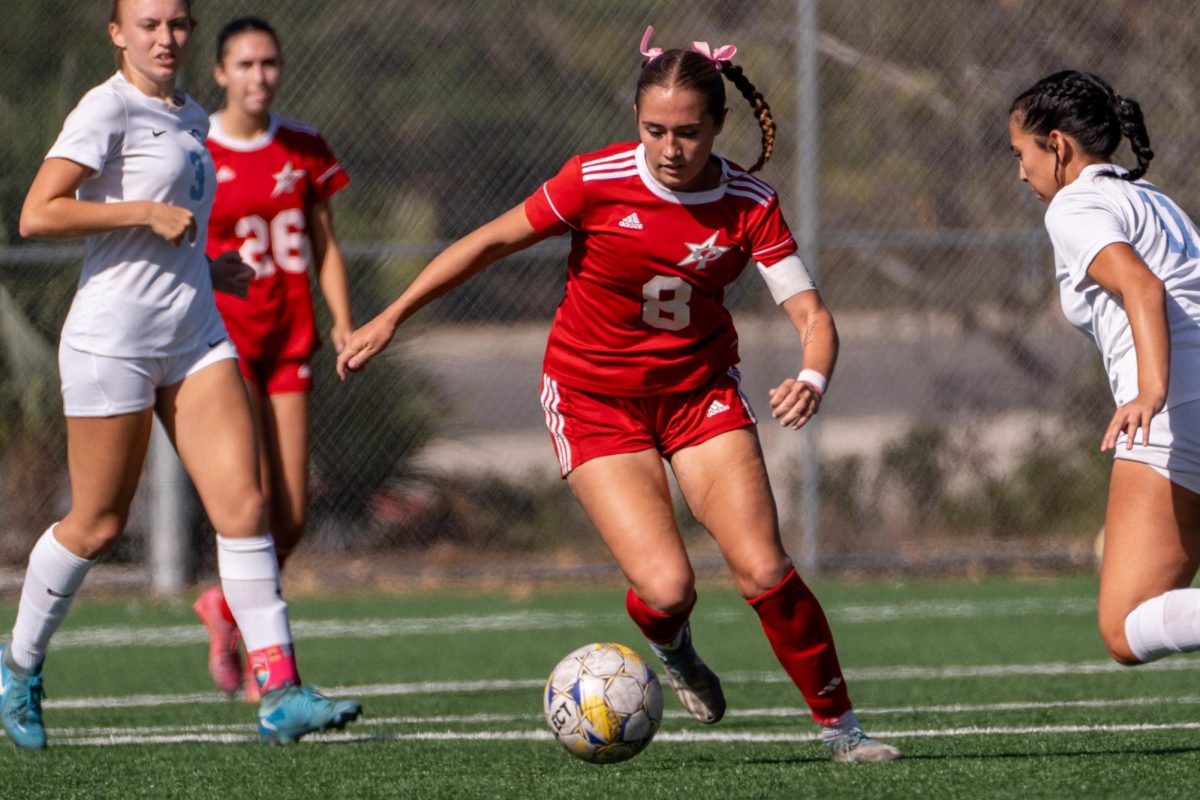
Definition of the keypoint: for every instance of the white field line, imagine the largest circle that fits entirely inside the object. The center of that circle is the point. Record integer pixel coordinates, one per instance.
(672, 736)
(461, 687)
(175, 635)
(745, 713)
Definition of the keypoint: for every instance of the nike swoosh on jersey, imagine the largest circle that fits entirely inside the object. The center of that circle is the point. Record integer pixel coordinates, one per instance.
(217, 342)
(158, 133)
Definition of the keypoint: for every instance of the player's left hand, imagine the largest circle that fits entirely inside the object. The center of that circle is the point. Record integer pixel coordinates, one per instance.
(1129, 418)
(794, 402)
(364, 344)
(230, 274)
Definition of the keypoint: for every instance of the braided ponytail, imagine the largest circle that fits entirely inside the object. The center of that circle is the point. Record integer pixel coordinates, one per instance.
(762, 111)
(1133, 128)
(1086, 108)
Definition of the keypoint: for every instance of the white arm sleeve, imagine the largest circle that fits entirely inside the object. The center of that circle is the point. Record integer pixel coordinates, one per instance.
(786, 277)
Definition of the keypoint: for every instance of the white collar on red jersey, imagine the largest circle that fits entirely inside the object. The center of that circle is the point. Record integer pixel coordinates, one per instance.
(218, 135)
(683, 198)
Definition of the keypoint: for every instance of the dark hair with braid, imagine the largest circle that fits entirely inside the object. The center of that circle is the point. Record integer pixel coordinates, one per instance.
(1086, 108)
(687, 69)
(236, 27)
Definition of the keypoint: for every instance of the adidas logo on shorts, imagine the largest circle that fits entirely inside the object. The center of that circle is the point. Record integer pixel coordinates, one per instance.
(632, 222)
(717, 407)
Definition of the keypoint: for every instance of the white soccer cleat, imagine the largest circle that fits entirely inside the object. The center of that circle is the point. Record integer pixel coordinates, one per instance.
(697, 687)
(851, 745)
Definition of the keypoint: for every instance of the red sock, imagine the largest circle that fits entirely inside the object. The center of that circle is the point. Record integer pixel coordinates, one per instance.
(274, 667)
(658, 627)
(800, 636)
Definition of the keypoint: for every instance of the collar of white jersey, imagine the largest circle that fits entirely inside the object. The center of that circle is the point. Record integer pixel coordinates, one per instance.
(1101, 170)
(218, 135)
(683, 198)
(123, 84)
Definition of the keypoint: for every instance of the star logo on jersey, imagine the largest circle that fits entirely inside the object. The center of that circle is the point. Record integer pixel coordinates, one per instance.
(702, 253)
(285, 180)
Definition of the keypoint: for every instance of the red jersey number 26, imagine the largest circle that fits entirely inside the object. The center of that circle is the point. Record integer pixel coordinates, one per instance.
(283, 237)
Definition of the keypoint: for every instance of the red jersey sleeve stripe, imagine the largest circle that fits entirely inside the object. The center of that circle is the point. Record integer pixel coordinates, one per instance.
(553, 208)
(327, 174)
(762, 251)
(608, 176)
(762, 201)
(614, 157)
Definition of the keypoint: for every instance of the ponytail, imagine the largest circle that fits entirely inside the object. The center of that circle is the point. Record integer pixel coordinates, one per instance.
(762, 111)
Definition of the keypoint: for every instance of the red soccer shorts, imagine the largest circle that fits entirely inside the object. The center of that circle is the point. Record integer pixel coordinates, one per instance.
(278, 375)
(584, 425)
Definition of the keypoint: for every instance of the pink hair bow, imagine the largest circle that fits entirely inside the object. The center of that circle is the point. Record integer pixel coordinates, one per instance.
(722, 53)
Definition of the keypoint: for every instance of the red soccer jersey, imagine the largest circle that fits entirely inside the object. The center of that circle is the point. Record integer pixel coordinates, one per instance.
(644, 306)
(265, 189)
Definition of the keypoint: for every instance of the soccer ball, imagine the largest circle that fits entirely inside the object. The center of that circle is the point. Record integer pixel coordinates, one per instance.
(603, 703)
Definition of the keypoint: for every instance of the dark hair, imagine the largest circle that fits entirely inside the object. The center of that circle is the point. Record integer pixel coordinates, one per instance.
(236, 27)
(687, 69)
(1086, 108)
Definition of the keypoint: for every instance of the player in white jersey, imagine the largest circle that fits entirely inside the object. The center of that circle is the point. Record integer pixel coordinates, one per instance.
(1127, 262)
(130, 173)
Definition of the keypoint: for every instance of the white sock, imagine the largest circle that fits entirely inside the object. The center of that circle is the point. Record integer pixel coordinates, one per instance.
(846, 722)
(51, 580)
(250, 580)
(1169, 623)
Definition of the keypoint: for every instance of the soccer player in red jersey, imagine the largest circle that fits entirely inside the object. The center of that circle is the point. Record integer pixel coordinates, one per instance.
(274, 181)
(640, 367)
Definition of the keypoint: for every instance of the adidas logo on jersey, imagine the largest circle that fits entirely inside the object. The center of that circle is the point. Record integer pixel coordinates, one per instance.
(716, 407)
(225, 174)
(632, 222)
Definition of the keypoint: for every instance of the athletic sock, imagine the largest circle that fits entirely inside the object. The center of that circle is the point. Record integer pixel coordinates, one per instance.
(832, 729)
(1169, 623)
(800, 636)
(250, 582)
(658, 627)
(51, 580)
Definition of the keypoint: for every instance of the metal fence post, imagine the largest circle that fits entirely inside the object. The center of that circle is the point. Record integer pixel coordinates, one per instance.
(171, 554)
(808, 191)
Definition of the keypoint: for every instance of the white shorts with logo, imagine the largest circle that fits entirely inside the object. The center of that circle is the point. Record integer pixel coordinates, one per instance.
(104, 386)
(1174, 449)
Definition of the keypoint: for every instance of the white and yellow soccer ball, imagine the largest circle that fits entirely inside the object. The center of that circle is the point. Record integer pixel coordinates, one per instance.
(603, 703)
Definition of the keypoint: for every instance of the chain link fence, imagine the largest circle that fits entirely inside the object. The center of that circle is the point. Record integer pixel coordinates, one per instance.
(961, 428)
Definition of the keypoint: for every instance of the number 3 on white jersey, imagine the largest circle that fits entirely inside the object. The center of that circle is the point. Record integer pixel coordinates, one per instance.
(672, 312)
(284, 237)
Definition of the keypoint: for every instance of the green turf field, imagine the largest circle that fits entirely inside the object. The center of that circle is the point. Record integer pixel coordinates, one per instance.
(993, 689)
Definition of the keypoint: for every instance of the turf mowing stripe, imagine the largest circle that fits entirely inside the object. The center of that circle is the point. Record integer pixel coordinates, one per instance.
(670, 736)
(176, 635)
(747, 713)
(432, 687)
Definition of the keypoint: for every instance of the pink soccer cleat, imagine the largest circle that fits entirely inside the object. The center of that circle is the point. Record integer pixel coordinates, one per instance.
(224, 661)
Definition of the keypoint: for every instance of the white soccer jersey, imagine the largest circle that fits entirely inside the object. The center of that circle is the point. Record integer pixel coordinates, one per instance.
(1095, 211)
(139, 295)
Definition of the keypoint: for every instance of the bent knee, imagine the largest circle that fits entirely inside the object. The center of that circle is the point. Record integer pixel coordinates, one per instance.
(758, 579)
(668, 594)
(90, 537)
(1113, 636)
(242, 515)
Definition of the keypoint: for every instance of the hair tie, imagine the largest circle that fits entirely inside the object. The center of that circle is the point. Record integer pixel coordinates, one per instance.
(650, 53)
(722, 54)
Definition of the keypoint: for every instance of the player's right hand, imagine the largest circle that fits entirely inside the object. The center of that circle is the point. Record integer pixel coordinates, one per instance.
(172, 223)
(364, 344)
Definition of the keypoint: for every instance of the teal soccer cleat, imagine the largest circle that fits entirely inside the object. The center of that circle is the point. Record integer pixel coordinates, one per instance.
(289, 713)
(21, 704)
(697, 687)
